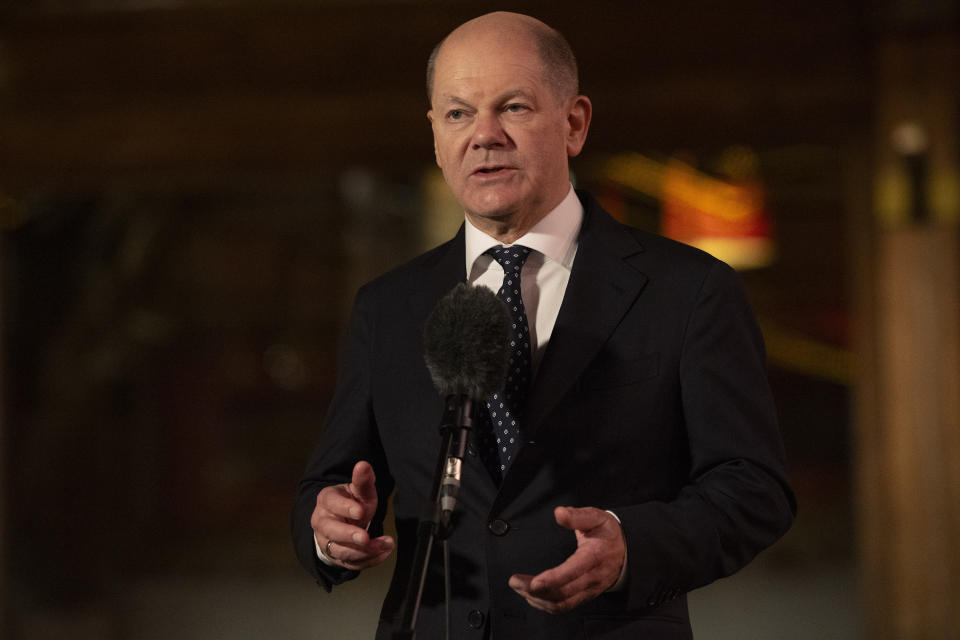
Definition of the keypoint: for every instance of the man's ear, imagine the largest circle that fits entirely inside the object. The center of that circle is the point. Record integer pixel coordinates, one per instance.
(578, 123)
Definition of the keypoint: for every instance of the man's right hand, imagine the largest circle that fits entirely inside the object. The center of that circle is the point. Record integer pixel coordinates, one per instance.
(340, 522)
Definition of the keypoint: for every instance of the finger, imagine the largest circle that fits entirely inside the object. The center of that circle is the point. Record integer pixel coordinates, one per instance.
(543, 605)
(563, 598)
(581, 519)
(582, 561)
(372, 562)
(360, 556)
(337, 502)
(580, 588)
(342, 532)
(363, 483)
(368, 562)
(352, 551)
(560, 606)
(520, 583)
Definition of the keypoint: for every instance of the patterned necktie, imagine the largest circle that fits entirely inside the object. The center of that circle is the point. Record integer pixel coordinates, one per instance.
(506, 406)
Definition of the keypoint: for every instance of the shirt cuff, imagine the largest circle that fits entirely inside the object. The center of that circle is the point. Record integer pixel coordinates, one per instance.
(619, 584)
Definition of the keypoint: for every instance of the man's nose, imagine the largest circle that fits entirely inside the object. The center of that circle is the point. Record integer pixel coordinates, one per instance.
(489, 131)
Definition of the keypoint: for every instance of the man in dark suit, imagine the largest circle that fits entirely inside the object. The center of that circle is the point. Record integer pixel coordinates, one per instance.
(646, 461)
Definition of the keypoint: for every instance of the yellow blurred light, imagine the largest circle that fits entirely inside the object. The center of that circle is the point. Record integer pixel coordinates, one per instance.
(726, 218)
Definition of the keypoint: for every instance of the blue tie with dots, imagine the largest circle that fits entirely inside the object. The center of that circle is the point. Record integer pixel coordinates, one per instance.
(501, 443)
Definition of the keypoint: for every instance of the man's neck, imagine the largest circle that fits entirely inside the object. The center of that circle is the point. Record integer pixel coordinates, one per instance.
(505, 231)
(508, 228)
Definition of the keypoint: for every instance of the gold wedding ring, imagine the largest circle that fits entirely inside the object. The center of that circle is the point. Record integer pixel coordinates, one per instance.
(326, 549)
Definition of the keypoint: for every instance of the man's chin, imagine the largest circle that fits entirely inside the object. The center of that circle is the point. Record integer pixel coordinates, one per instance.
(484, 216)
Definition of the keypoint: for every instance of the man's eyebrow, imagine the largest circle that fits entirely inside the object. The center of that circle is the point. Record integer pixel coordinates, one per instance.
(449, 98)
(516, 93)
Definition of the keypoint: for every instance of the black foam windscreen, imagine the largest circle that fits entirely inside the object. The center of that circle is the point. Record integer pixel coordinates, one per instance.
(465, 342)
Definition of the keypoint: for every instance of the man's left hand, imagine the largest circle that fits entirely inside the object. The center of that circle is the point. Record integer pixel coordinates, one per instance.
(592, 569)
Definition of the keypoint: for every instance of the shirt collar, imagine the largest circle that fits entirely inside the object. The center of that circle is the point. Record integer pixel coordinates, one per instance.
(555, 235)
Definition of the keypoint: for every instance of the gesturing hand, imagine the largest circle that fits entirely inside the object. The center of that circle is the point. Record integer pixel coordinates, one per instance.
(340, 521)
(592, 569)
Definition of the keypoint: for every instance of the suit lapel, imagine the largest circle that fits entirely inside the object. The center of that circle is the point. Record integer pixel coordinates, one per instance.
(603, 286)
(443, 268)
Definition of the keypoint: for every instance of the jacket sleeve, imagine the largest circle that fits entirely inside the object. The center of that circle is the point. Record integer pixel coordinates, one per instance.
(737, 500)
(349, 435)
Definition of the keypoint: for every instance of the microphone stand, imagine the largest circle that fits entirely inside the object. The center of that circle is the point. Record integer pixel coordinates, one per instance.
(436, 523)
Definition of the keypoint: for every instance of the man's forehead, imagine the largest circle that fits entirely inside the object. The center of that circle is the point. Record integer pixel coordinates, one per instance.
(503, 67)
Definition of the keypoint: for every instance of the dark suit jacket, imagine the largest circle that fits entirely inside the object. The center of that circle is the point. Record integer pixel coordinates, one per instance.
(650, 401)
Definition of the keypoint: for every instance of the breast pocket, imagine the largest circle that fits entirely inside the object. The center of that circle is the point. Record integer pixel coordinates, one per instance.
(612, 372)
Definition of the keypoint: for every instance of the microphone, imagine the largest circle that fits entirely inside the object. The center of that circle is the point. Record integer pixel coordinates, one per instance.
(465, 342)
(465, 350)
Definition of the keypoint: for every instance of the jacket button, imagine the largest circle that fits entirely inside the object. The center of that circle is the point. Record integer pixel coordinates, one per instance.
(475, 619)
(499, 527)
(471, 450)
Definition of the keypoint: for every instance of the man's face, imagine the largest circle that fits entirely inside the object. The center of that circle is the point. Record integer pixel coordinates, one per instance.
(501, 134)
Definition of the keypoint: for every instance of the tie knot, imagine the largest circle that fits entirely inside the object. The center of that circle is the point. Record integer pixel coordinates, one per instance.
(510, 258)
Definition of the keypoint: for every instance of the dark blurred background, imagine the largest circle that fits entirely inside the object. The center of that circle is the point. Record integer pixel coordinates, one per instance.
(192, 190)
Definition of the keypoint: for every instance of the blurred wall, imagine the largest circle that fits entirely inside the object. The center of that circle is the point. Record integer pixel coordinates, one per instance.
(190, 193)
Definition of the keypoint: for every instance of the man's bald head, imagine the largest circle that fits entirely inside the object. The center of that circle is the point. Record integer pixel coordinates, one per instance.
(556, 56)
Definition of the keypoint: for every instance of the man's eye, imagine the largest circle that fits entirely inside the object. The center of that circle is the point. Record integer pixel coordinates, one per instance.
(515, 108)
(455, 114)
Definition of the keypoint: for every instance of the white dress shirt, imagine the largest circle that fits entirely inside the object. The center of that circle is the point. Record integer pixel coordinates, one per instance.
(544, 277)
